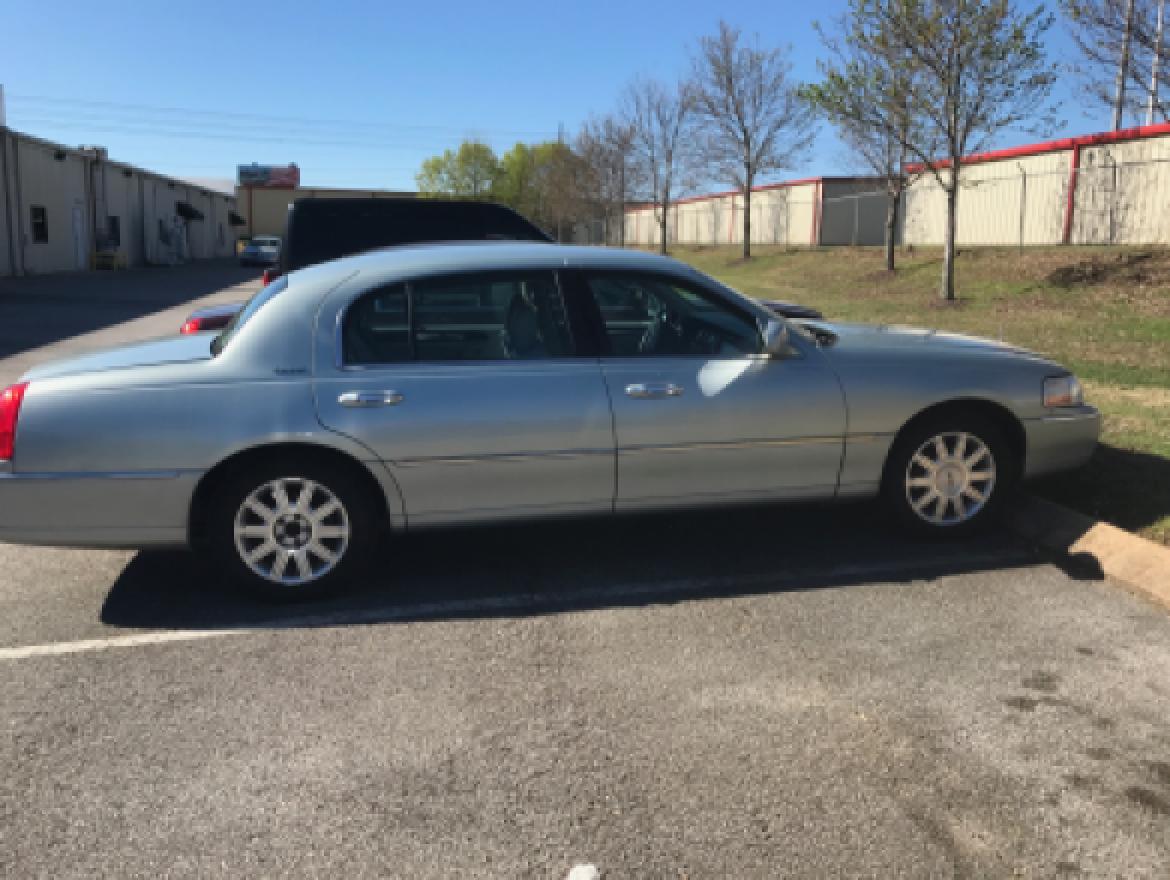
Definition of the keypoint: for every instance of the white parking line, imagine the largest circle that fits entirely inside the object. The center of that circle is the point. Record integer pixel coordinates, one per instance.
(584, 872)
(131, 641)
(519, 602)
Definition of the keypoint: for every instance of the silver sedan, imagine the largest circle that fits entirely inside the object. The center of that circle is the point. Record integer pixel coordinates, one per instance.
(432, 385)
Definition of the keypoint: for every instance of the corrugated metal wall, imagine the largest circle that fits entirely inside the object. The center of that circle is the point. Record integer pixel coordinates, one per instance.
(789, 214)
(1120, 196)
(1122, 191)
(78, 192)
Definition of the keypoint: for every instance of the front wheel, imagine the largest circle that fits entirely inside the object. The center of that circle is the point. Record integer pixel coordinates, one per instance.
(292, 531)
(949, 476)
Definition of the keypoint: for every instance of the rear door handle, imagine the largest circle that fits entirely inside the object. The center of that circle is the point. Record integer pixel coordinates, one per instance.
(653, 390)
(369, 399)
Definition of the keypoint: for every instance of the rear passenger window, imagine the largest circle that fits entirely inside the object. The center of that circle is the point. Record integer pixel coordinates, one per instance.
(475, 317)
(376, 329)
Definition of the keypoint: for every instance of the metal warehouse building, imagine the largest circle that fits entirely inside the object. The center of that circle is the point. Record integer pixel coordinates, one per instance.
(809, 212)
(1108, 188)
(68, 208)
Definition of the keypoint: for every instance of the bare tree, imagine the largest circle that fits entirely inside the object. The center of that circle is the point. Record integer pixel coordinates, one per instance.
(606, 146)
(866, 96)
(1121, 48)
(662, 149)
(754, 120)
(973, 69)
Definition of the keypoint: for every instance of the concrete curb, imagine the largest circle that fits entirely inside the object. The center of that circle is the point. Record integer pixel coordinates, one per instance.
(1141, 566)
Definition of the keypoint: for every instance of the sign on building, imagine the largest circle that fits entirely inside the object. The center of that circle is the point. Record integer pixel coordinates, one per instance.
(277, 176)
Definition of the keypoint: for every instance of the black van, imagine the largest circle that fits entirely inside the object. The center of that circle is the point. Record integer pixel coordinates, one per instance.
(325, 229)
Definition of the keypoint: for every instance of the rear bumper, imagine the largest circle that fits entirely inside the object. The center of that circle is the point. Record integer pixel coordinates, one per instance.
(141, 509)
(1061, 442)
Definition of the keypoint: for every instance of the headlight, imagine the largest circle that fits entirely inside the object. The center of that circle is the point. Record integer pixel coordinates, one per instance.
(1063, 391)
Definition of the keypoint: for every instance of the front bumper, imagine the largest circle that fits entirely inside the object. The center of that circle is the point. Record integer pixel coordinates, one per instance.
(1061, 441)
(141, 509)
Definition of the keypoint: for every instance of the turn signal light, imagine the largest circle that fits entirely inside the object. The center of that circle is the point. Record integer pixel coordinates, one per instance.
(190, 326)
(10, 400)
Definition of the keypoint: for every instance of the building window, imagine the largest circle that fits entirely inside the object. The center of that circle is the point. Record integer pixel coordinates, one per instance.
(114, 232)
(40, 224)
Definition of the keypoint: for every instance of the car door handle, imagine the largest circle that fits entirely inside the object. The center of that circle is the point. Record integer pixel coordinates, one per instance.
(653, 390)
(367, 399)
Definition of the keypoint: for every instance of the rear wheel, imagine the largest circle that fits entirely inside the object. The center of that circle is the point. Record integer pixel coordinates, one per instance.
(949, 476)
(292, 530)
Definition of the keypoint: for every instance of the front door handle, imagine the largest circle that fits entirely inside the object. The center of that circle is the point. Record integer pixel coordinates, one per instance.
(368, 399)
(653, 390)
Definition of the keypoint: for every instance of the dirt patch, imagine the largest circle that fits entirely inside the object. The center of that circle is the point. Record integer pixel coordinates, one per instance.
(1150, 800)
(1131, 268)
(1042, 681)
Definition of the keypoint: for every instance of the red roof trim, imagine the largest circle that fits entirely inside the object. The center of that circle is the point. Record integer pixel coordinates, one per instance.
(1087, 140)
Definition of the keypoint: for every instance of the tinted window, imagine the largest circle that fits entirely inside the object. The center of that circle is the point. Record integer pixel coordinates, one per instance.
(480, 317)
(376, 328)
(651, 315)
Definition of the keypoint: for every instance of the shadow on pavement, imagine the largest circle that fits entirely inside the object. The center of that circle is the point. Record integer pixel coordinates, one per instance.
(519, 570)
(1128, 488)
(43, 309)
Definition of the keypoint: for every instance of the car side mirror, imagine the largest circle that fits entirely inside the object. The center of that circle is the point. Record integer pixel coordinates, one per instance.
(776, 339)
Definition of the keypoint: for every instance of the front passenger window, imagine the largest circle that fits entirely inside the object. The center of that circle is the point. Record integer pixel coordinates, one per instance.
(647, 315)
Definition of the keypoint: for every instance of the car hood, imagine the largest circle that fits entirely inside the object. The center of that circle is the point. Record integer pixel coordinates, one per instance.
(168, 350)
(871, 337)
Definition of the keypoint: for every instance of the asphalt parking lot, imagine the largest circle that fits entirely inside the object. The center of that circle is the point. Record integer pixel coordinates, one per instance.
(756, 693)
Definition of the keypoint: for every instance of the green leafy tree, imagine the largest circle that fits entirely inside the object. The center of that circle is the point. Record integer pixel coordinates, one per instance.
(970, 70)
(469, 172)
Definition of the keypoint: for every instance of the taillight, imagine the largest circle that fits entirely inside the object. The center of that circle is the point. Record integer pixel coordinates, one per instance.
(192, 325)
(269, 276)
(10, 400)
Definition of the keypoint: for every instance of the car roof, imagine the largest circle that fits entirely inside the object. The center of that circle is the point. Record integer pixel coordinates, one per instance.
(402, 261)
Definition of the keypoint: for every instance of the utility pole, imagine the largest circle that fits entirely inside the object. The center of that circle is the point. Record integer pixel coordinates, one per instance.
(1155, 64)
(1123, 67)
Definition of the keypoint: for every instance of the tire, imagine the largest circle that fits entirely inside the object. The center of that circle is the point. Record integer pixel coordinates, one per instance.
(949, 476)
(264, 537)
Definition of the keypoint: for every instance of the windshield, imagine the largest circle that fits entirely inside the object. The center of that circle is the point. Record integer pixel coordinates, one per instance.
(251, 307)
(266, 242)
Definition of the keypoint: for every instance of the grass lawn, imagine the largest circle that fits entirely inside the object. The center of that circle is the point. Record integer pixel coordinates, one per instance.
(1103, 312)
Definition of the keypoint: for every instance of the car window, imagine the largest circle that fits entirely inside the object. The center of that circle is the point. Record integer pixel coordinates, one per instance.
(475, 317)
(658, 316)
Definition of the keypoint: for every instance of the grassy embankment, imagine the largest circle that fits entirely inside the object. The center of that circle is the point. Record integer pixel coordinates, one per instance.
(1103, 312)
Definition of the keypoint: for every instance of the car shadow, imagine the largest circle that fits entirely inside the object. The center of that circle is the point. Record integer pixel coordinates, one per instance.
(40, 310)
(537, 568)
(1125, 487)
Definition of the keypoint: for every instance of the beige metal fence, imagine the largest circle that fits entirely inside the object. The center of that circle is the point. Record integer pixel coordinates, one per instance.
(1046, 201)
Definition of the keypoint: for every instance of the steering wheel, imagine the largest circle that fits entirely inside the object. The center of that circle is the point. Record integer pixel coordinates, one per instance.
(665, 326)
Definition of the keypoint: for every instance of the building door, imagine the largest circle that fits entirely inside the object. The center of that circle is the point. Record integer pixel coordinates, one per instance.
(79, 250)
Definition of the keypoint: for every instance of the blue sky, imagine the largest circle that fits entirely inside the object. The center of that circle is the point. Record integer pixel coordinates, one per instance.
(358, 93)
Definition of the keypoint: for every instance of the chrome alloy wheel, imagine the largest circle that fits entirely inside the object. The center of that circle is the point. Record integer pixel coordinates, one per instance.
(291, 531)
(950, 478)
